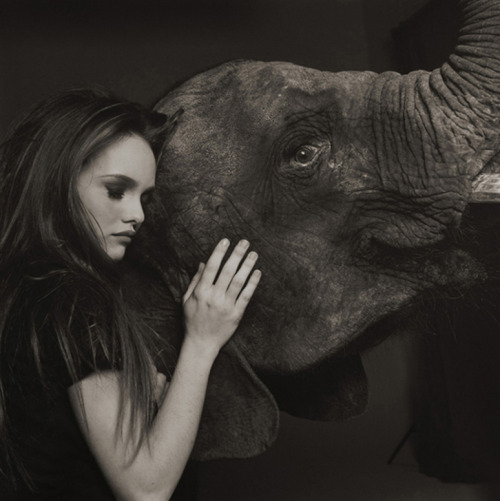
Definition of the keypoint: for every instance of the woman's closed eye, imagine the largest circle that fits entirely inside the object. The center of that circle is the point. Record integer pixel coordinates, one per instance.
(114, 192)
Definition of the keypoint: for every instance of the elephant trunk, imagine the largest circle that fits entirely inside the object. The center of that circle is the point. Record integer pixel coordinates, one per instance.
(473, 71)
(436, 131)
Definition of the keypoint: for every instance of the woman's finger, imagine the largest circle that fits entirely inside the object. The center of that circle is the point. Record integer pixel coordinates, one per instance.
(194, 282)
(214, 262)
(247, 293)
(241, 276)
(227, 273)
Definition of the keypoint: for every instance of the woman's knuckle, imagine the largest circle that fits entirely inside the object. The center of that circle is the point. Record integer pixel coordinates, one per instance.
(224, 308)
(202, 292)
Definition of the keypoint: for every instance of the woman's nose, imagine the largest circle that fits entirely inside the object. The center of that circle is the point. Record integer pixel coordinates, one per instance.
(134, 213)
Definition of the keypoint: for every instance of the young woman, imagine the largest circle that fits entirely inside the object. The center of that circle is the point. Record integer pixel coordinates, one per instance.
(83, 412)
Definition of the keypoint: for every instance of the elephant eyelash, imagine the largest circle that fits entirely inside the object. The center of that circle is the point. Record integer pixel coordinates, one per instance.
(305, 154)
(307, 171)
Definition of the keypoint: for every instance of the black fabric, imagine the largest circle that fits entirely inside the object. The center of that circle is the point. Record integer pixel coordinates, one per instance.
(43, 429)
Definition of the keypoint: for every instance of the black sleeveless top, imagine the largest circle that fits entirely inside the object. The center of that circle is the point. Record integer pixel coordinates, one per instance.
(43, 428)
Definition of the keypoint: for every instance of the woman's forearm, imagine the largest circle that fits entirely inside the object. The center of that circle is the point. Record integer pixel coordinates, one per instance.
(162, 457)
(152, 471)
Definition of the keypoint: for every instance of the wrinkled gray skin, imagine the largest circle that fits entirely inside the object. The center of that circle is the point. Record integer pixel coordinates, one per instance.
(347, 185)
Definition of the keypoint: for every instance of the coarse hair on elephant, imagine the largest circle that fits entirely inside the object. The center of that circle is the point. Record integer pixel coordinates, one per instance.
(351, 186)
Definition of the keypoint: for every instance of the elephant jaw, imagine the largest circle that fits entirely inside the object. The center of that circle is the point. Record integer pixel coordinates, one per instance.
(329, 314)
(316, 319)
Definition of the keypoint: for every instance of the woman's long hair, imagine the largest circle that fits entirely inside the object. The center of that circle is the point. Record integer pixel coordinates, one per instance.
(46, 238)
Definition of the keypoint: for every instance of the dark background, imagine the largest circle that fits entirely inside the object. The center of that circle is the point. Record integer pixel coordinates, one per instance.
(141, 48)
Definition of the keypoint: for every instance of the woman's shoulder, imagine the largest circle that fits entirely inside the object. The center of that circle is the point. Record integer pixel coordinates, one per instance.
(49, 286)
(61, 319)
(50, 301)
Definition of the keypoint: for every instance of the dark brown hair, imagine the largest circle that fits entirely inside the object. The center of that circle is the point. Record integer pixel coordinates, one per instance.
(48, 244)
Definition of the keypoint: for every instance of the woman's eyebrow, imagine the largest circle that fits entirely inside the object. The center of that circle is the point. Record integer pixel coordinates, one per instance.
(128, 181)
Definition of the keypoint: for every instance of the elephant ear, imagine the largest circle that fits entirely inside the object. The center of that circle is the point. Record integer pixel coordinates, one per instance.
(240, 416)
(334, 390)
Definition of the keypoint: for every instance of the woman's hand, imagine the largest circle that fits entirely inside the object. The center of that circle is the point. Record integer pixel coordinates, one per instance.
(213, 308)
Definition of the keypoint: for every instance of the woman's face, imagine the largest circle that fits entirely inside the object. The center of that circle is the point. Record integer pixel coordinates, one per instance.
(113, 188)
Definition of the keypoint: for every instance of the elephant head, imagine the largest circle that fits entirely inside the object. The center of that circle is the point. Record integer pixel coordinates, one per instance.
(348, 185)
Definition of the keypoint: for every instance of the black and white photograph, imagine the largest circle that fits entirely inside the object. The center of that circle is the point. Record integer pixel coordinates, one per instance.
(248, 250)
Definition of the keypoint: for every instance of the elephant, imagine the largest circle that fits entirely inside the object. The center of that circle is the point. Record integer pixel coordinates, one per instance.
(351, 186)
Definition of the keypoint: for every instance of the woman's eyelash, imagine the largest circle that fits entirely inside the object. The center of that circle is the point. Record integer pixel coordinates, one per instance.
(115, 194)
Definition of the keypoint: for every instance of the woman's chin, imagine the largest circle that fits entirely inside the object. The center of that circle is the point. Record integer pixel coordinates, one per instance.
(116, 253)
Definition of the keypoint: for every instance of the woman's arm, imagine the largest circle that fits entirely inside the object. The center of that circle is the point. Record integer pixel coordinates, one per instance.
(212, 313)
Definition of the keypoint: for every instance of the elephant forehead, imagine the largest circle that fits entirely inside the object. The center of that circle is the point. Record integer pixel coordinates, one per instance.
(260, 92)
(278, 78)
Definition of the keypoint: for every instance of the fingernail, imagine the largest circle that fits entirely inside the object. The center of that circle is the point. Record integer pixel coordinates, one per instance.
(244, 243)
(257, 273)
(224, 242)
(252, 255)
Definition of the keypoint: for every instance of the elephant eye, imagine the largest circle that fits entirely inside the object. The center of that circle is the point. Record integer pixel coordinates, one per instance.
(305, 154)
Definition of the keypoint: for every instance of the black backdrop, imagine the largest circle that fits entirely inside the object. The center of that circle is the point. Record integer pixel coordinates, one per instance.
(141, 47)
